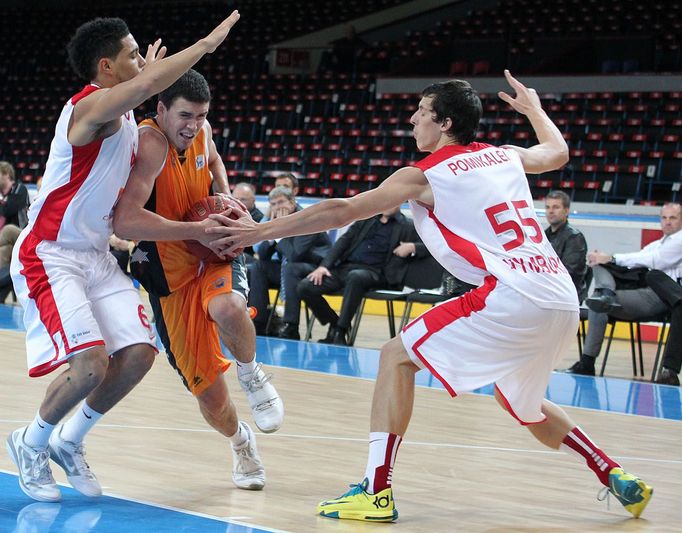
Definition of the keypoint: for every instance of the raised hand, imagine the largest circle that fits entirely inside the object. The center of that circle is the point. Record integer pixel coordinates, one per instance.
(218, 35)
(154, 52)
(526, 100)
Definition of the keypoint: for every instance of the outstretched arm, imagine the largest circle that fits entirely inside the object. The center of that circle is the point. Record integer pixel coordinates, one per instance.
(105, 106)
(552, 151)
(404, 184)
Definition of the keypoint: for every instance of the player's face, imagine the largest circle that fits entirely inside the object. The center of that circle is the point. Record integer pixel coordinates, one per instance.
(671, 219)
(426, 132)
(128, 63)
(182, 121)
(555, 212)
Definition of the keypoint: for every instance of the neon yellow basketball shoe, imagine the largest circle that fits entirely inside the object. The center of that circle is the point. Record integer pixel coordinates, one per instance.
(631, 491)
(358, 504)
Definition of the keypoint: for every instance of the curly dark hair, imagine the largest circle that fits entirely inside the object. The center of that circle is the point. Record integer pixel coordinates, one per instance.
(94, 40)
(191, 86)
(459, 102)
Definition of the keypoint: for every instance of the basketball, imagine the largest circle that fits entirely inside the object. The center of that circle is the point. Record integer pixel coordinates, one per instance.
(199, 212)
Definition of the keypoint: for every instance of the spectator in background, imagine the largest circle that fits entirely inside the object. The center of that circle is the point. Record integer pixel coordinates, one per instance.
(634, 301)
(246, 194)
(288, 180)
(13, 198)
(372, 254)
(568, 242)
(670, 292)
(267, 269)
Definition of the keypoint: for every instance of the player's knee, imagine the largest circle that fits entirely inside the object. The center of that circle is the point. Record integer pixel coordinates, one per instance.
(228, 310)
(393, 353)
(89, 368)
(214, 399)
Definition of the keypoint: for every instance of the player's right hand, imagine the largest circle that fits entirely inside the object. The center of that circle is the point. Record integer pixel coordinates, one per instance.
(218, 35)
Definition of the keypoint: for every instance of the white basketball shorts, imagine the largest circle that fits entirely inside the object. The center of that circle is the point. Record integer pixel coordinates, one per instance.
(73, 300)
(493, 334)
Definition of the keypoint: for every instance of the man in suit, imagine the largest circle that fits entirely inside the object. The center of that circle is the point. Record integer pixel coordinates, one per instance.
(568, 243)
(372, 254)
(267, 269)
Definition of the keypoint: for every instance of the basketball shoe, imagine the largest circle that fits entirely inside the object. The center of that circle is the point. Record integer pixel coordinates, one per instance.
(358, 504)
(247, 469)
(266, 405)
(71, 457)
(35, 475)
(631, 491)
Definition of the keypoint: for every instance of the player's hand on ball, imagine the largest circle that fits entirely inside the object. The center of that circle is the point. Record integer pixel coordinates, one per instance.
(236, 230)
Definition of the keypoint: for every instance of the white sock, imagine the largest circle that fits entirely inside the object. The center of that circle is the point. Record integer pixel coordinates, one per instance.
(246, 369)
(82, 421)
(38, 433)
(383, 448)
(240, 437)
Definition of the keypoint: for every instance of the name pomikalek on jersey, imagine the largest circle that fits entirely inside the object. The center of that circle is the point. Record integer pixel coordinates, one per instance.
(486, 159)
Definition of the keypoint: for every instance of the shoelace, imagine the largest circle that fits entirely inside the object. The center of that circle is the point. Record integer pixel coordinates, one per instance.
(82, 466)
(605, 494)
(41, 469)
(244, 454)
(256, 382)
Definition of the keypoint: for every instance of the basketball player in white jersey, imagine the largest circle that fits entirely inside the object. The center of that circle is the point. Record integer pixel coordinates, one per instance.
(78, 306)
(473, 209)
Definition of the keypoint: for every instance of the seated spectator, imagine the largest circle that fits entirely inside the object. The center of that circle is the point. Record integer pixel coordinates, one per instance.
(288, 180)
(636, 300)
(267, 269)
(372, 254)
(246, 194)
(568, 242)
(670, 292)
(13, 198)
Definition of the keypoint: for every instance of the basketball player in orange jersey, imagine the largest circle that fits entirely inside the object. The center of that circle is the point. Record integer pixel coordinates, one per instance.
(474, 211)
(177, 165)
(78, 306)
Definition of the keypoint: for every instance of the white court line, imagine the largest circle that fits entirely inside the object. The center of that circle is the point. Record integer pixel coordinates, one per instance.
(364, 440)
(226, 520)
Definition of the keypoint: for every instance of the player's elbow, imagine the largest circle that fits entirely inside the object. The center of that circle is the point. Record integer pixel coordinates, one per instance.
(122, 225)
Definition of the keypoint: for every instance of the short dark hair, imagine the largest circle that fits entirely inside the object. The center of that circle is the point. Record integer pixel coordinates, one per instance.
(288, 175)
(560, 195)
(94, 40)
(191, 86)
(458, 101)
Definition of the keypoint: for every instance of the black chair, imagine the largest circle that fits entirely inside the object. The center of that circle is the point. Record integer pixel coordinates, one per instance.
(422, 273)
(635, 325)
(450, 287)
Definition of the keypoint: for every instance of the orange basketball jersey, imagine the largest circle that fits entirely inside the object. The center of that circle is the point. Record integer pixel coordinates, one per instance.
(179, 185)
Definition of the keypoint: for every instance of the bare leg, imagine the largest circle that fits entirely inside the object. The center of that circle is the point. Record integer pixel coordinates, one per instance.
(394, 390)
(126, 369)
(217, 408)
(235, 327)
(86, 371)
(552, 431)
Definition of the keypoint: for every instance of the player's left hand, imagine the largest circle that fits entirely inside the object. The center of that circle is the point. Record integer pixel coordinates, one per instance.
(526, 100)
(155, 52)
(232, 233)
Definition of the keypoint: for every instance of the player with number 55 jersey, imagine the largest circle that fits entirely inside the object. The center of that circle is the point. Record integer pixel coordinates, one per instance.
(473, 210)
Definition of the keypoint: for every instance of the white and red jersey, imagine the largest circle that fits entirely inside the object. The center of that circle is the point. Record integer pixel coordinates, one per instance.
(82, 183)
(483, 223)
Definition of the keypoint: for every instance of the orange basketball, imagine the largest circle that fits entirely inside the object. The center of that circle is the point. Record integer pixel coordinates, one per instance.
(199, 212)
